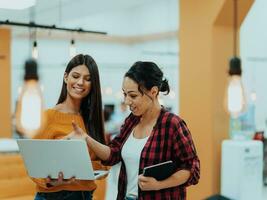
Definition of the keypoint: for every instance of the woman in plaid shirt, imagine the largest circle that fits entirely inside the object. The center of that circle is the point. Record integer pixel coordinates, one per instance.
(149, 135)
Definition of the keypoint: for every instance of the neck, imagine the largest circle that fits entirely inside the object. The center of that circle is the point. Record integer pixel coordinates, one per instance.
(152, 113)
(71, 105)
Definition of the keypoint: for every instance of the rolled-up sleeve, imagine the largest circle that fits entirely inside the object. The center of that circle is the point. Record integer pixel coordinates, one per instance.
(116, 144)
(185, 153)
(115, 152)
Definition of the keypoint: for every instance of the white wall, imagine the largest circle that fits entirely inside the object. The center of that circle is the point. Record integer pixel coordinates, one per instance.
(253, 42)
(113, 59)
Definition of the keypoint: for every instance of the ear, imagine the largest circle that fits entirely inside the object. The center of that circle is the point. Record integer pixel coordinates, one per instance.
(154, 91)
(65, 77)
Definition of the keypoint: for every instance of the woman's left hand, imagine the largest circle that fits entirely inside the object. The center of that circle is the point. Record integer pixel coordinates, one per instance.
(148, 183)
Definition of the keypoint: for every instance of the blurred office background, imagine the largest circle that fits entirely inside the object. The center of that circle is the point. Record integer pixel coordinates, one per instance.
(141, 30)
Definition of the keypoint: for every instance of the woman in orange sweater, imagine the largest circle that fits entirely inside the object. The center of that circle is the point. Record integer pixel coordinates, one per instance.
(79, 101)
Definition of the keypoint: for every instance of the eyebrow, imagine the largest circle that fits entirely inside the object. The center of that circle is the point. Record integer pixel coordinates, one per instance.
(131, 91)
(80, 74)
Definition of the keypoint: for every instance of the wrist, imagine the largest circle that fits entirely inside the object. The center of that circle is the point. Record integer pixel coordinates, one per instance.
(160, 185)
(86, 138)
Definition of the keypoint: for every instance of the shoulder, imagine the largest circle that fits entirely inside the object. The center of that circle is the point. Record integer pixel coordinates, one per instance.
(173, 122)
(50, 112)
(170, 118)
(131, 119)
(49, 115)
(129, 122)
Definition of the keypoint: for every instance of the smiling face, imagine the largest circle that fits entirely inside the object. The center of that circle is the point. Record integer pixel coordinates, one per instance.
(78, 82)
(138, 103)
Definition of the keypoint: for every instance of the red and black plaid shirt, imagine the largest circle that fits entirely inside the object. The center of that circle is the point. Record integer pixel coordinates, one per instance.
(170, 140)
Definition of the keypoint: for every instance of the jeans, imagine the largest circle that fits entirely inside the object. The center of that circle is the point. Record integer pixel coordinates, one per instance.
(64, 195)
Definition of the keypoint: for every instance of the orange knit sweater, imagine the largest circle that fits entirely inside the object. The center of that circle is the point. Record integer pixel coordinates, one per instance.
(58, 125)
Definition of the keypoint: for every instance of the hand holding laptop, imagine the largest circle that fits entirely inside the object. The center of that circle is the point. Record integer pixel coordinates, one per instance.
(60, 180)
(45, 158)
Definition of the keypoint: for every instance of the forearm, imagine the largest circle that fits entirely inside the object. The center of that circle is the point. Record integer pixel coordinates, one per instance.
(178, 178)
(102, 151)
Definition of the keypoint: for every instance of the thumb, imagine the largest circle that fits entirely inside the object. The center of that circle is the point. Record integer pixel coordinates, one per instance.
(75, 126)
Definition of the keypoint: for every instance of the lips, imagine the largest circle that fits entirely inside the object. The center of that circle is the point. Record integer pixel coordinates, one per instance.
(78, 90)
(132, 109)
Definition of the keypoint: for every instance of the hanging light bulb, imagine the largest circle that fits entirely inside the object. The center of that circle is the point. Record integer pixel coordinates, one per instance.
(235, 95)
(29, 113)
(35, 50)
(72, 49)
(253, 96)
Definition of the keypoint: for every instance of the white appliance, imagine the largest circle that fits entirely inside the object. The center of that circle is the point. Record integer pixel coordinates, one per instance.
(242, 169)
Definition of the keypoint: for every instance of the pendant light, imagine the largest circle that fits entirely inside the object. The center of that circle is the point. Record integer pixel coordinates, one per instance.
(29, 113)
(72, 48)
(35, 50)
(34, 46)
(235, 95)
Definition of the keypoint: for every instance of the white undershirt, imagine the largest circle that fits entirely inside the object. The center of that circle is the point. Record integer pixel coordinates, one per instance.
(131, 153)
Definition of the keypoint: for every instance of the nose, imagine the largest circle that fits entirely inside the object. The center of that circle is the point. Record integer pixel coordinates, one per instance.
(80, 81)
(127, 101)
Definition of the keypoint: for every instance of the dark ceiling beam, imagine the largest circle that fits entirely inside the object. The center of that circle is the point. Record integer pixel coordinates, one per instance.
(51, 27)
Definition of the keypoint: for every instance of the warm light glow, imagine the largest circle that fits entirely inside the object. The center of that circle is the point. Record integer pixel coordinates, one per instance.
(108, 90)
(72, 49)
(235, 96)
(16, 4)
(30, 109)
(253, 96)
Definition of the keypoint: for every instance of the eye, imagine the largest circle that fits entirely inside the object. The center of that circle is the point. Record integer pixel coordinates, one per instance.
(133, 96)
(75, 76)
(88, 79)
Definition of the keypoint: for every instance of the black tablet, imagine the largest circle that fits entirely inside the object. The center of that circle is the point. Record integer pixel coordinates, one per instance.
(159, 171)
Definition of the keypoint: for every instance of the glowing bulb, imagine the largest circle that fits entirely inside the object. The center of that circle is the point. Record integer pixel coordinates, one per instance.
(253, 96)
(235, 96)
(31, 105)
(108, 90)
(35, 50)
(72, 49)
(29, 114)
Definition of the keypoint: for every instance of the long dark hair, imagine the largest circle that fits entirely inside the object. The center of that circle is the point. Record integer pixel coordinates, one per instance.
(91, 105)
(148, 75)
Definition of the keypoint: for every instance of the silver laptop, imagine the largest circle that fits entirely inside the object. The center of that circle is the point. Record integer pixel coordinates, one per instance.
(44, 158)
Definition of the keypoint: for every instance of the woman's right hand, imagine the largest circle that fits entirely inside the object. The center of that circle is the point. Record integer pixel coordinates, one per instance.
(102, 151)
(77, 132)
(59, 181)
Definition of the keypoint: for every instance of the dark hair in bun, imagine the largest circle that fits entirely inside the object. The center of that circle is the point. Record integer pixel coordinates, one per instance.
(148, 75)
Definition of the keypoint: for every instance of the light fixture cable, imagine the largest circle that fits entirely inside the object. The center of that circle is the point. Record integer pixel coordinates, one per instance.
(235, 95)
(235, 13)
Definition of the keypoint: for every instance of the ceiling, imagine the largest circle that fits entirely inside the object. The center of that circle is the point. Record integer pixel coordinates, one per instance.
(73, 14)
